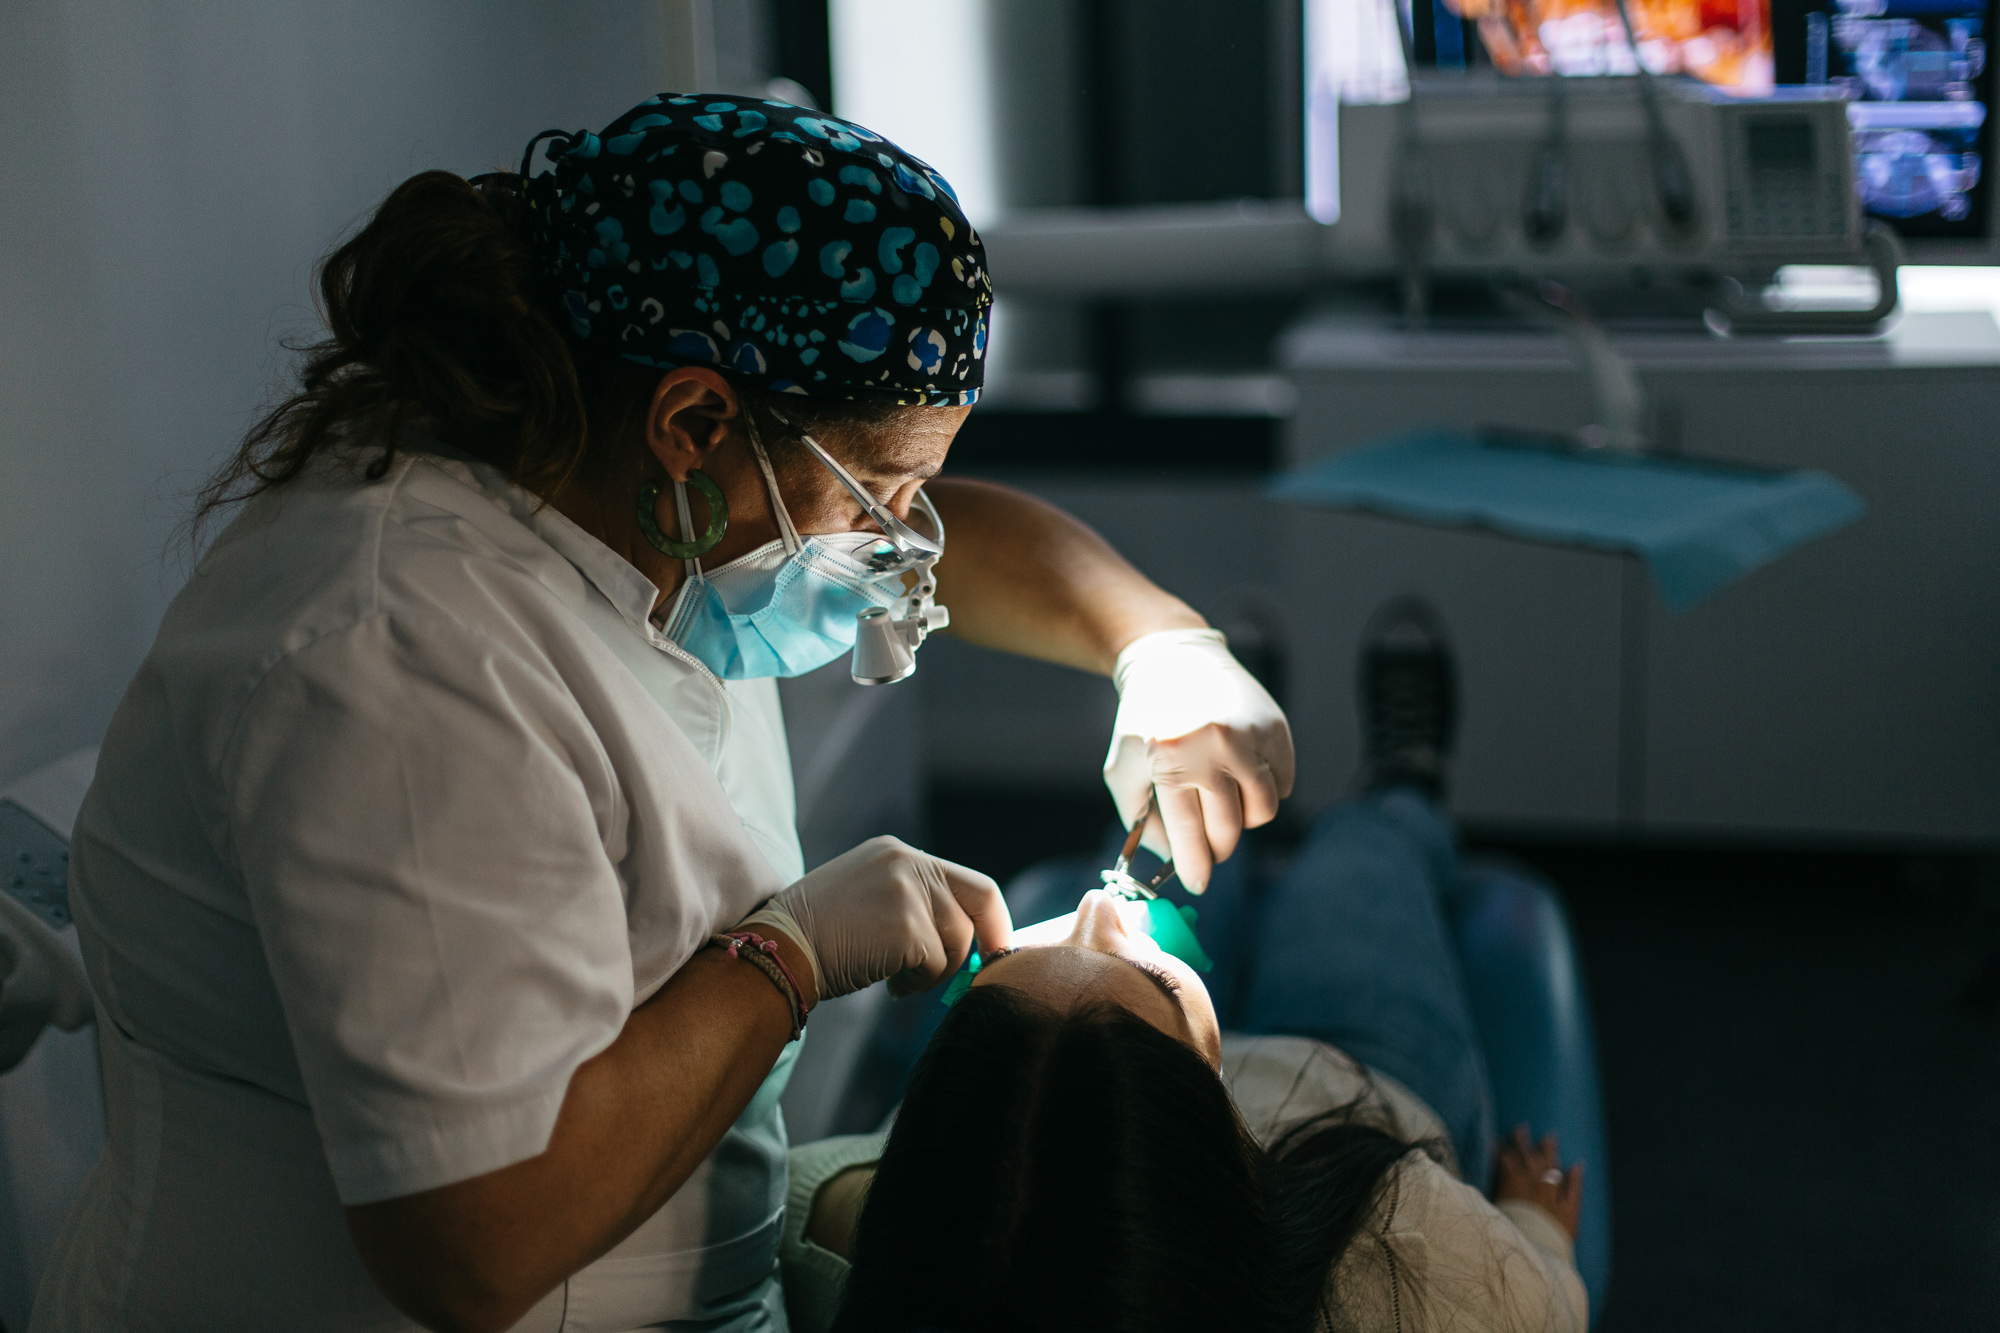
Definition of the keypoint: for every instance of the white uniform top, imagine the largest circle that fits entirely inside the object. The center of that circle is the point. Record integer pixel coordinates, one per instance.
(407, 808)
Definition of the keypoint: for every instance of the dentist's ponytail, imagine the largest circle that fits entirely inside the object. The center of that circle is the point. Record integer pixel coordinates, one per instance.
(436, 321)
(440, 325)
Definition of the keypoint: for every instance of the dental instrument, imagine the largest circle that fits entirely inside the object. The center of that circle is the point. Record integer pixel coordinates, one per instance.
(1120, 879)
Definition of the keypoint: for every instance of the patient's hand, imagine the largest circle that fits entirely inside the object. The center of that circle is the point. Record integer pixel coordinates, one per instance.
(1533, 1171)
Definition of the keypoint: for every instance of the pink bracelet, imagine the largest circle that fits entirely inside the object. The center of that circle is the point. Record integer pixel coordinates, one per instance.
(764, 955)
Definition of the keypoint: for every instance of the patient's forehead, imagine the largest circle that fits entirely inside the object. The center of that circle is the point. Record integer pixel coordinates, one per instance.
(1066, 976)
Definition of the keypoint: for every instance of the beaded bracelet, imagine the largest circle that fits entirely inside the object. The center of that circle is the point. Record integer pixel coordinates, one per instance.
(763, 955)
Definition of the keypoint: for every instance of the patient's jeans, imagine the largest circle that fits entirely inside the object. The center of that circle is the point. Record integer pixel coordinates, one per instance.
(1350, 944)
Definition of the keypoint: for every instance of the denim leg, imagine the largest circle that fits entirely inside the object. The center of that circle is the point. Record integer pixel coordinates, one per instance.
(1352, 949)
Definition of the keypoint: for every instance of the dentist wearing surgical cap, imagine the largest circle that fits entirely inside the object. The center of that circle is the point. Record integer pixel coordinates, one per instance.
(438, 886)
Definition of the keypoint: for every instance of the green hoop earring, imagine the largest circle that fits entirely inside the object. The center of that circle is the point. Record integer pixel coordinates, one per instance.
(718, 518)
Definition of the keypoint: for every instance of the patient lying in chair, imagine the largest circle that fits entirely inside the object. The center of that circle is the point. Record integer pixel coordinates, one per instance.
(1096, 1138)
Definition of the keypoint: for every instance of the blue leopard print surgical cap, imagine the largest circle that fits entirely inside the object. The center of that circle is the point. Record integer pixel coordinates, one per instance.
(803, 253)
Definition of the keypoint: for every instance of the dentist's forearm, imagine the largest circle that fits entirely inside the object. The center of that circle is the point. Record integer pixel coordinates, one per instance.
(636, 1121)
(1022, 576)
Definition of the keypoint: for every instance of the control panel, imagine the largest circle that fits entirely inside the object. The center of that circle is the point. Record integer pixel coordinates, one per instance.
(1787, 177)
(1577, 175)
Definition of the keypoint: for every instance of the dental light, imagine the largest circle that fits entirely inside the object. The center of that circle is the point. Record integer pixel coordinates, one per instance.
(886, 639)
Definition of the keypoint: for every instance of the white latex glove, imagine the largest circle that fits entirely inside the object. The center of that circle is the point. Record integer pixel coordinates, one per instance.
(41, 982)
(887, 910)
(1193, 724)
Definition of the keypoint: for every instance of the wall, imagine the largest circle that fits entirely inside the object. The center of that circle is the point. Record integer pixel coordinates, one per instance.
(172, 173)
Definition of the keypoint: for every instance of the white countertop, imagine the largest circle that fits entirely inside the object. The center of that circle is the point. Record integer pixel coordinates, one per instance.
(1927, 339)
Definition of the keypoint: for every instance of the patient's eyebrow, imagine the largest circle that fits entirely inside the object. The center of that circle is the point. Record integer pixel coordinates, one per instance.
(1167, 988)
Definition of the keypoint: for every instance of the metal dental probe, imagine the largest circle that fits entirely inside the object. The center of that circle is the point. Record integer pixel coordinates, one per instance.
(1120, 879)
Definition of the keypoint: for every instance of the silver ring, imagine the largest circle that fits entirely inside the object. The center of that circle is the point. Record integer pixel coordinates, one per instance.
(1552, 1177)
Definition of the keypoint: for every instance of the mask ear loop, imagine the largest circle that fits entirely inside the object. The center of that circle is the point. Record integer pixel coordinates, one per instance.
(692, 565)
(793, 545)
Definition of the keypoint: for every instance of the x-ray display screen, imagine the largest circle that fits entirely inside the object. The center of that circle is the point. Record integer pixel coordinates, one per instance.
(1919, 98)
(1723, 42)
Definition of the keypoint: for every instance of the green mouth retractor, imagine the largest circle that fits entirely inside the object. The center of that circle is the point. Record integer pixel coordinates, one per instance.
(1172, 928)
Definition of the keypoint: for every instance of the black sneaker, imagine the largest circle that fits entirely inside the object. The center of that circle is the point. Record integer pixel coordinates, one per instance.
(1409, 698)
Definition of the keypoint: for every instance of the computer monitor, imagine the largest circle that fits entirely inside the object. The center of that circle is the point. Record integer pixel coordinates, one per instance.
(1920, 96)
(1725, 44)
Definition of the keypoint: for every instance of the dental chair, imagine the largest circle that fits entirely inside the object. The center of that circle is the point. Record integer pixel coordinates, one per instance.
(1522, 979)
(52, 1101)
(1528, 1002)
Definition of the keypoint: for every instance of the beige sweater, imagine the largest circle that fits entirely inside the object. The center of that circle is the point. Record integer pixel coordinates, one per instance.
(1435, 1256)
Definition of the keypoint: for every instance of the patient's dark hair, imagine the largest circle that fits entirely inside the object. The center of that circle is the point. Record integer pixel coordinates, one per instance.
(1086, 1171)
(438, 318)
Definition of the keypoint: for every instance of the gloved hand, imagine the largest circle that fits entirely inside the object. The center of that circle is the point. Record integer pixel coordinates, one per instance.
(887, 910)
(41, 982)
(1195, 725)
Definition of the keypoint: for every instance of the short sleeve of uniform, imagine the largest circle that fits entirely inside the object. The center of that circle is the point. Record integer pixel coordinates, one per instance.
(429, 833)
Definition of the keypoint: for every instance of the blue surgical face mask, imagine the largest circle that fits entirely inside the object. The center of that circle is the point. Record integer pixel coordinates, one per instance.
(790, 606)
